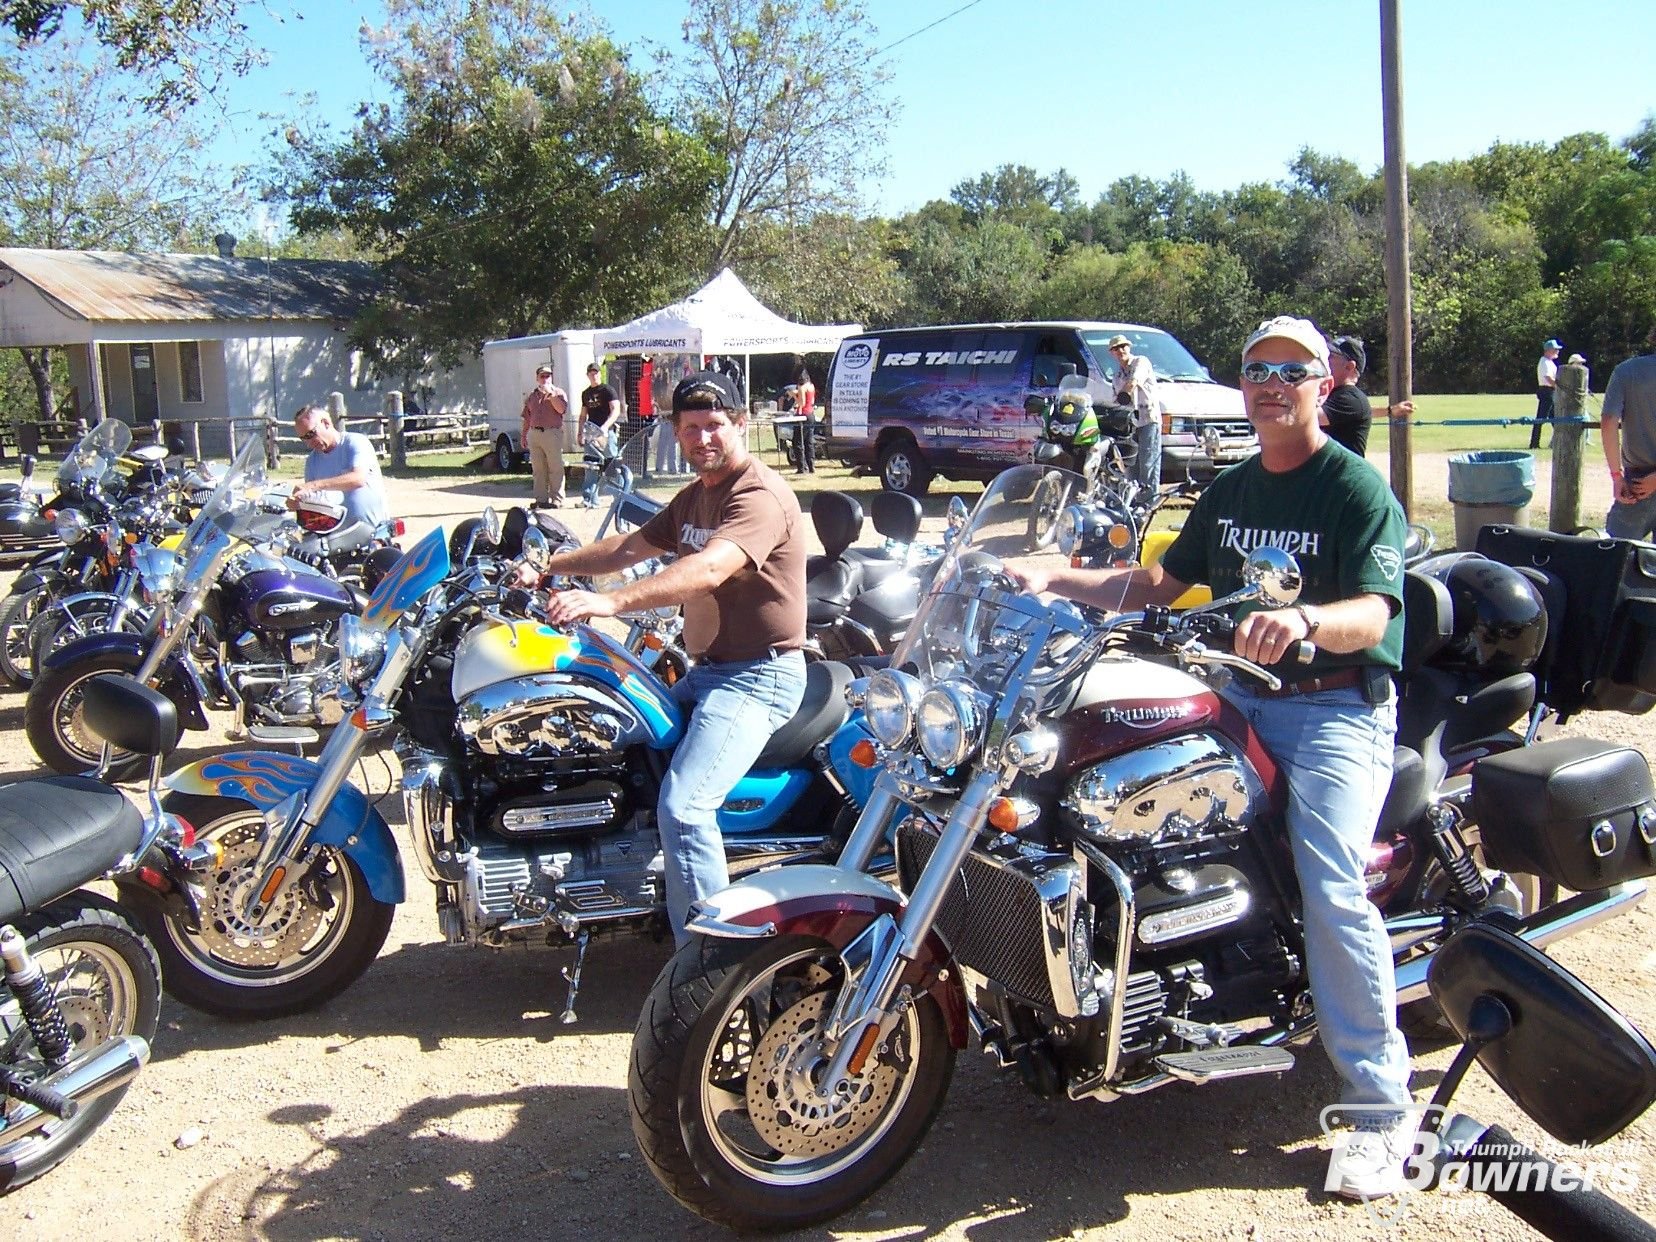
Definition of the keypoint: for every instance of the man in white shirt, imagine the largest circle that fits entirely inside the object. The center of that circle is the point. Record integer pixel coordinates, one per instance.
(1546, 379)
(1135, 387)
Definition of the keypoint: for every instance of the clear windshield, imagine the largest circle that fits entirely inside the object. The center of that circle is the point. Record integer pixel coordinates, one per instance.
(1168, 358)
(974, 622)
(96, 453)
(234, 503)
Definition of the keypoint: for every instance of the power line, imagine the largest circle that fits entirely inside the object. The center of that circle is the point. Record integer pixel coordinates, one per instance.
(970, 4)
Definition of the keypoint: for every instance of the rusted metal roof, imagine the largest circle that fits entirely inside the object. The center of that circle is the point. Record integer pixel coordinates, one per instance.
(108, 285)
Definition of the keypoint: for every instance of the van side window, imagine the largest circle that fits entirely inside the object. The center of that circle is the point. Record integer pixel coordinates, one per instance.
(1057, 355)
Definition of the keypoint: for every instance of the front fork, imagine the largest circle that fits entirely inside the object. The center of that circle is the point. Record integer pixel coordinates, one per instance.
(875, 961)
(289, 824)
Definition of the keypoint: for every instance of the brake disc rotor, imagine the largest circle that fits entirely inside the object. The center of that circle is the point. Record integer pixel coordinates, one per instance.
(285, 928)
(781, 1087)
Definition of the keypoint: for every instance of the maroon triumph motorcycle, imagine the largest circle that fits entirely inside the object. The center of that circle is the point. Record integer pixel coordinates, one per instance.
(1093, 882)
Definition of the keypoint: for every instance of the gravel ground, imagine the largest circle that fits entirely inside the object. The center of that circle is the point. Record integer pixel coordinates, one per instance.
(440, 1097)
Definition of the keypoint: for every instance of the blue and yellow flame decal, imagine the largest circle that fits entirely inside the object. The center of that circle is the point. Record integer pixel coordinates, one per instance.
(264, 780)
(418, 570)
(584, 652)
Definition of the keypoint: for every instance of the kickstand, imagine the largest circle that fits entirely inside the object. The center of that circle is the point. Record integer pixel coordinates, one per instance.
(573, 975)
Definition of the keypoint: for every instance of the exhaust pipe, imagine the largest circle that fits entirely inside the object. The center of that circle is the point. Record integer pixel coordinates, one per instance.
(106, 1068)
(1540, 929)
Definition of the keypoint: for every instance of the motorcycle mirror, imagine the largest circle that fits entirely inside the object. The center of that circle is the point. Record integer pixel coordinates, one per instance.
(1563, 1053)
(1275, 574)
(1036, 406)
(957, 515)
(492, 526)
(28, 466)
(537, 552)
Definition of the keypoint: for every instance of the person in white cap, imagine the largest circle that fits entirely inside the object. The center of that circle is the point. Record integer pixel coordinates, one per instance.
(1135, 387)
(1330, 726)
(1546, 382)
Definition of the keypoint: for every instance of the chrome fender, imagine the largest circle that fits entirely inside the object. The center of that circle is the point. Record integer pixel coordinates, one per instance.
(263, 780)
(832, 904)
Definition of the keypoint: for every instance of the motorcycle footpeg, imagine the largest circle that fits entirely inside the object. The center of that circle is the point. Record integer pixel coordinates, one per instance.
(1212, 1064)
(283, 735)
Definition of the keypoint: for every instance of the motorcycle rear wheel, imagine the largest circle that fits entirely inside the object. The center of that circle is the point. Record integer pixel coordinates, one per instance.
(56, 726)
(107, 982)
(307, 952)
(722, 1008)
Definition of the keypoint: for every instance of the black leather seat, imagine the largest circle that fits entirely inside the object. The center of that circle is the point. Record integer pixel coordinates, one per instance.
(832, 580)
(1406, 799)
(56, 833)
(896, 517)
(823, 711)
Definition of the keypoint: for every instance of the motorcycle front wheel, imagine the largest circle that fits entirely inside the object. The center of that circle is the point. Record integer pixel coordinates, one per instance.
(55, 721)
(107, 983)
(307, 949)
(1046, 505)
(17, 613)
(721, 1083)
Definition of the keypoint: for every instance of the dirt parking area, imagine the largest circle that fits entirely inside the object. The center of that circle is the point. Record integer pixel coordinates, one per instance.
(440, 1097)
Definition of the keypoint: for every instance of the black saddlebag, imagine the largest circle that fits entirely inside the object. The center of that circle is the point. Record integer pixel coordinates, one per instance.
(1601, 611)
(1575, 810)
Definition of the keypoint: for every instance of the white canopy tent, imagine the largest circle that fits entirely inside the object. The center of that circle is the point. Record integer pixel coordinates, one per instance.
(722, 317)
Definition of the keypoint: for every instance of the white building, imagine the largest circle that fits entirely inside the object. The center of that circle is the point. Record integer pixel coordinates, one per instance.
(187, 337)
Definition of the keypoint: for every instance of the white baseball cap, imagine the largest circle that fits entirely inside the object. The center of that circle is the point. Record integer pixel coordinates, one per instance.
(1288, 328)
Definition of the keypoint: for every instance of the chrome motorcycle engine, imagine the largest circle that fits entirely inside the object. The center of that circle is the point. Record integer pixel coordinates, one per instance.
(1176, 792)
(546, 717)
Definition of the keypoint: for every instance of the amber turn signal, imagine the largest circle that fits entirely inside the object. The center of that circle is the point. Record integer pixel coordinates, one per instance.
(1003, 815)
(865, 754)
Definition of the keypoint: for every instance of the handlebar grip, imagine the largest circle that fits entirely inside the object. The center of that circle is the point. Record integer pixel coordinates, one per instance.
(1583, 1214)
(1304, 652)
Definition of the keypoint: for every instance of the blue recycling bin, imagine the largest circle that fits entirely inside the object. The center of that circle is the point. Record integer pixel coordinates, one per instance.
(1490, 487)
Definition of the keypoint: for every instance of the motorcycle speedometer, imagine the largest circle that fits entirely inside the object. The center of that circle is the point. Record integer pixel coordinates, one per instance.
(889, 705)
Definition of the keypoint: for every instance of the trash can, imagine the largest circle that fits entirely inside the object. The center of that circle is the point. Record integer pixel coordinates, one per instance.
(1489, 487)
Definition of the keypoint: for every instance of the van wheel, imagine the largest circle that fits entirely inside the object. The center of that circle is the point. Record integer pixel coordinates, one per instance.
(902, 469)
(505, 458)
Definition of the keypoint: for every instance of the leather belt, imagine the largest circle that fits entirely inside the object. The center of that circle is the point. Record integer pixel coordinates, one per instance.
(1339, 679)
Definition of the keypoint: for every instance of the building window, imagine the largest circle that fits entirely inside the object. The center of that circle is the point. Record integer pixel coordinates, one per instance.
(189, 371)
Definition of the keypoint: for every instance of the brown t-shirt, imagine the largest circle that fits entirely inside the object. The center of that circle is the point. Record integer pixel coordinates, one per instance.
(762, 605)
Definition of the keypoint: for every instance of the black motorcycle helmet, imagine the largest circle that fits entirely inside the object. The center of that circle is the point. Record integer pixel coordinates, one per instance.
(1500, 619)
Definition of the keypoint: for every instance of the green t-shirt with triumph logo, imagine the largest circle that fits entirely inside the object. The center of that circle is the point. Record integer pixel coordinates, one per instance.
(1334, 515)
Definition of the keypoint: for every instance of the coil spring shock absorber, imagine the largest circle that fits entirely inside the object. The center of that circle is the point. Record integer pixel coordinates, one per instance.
(34, 997)
(1455, 856)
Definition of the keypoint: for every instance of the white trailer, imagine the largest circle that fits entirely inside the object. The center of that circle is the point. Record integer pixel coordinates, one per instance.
(509, 374)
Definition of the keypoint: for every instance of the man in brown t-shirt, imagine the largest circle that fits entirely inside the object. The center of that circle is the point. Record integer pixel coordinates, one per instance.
(740, 576)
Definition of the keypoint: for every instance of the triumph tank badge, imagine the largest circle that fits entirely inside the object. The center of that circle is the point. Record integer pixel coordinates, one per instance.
(1143, 717)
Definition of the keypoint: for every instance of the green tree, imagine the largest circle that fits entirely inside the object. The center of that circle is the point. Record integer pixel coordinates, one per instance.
(789, 94)
(836, 269)
(989, 272)
(79, 171)
(520, 181)
(180, 47)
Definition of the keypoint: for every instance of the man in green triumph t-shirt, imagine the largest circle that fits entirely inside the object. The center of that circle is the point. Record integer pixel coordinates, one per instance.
(1331, 724)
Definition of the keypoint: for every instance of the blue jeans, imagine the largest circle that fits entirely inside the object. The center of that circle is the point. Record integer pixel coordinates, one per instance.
(1335, 751)
(736, 709)
(595, 468)
(1149, 452)
(1631, 521)
(667, 458)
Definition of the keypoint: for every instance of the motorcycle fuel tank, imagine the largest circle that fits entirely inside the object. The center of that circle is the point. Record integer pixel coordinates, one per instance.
(282, 599)
(1126, 703)
(493, 654)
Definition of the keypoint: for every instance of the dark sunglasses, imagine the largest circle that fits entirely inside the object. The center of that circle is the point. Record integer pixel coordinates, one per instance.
(1290, 373)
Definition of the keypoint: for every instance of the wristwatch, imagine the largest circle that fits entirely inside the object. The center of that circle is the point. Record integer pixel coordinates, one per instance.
(1311, 623)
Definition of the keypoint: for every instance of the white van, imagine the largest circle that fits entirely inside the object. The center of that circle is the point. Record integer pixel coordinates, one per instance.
(509, 373)
(914, 403)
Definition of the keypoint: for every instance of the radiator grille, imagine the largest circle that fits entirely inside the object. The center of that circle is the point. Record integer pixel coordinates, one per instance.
(991, 918)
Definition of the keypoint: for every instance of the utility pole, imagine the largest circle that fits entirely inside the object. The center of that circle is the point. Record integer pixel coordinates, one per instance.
(1399, 314)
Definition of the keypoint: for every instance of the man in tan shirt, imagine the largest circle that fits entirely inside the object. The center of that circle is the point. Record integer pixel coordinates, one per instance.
(543, 414)
(740, 577)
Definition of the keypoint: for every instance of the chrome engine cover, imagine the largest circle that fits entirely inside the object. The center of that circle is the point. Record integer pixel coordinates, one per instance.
(1184, 789)
(548, 716)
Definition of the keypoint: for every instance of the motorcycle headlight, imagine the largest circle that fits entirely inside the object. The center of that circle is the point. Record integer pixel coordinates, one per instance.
(889, 705)
(950, 723)
(360, 650)
(70, 525)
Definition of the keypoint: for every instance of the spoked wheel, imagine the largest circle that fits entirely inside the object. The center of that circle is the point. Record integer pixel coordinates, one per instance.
(723, 1080)
(305, 950)
(60, 624)
(1052, 493)
(17, 613)
(107, 983)
(55, 718)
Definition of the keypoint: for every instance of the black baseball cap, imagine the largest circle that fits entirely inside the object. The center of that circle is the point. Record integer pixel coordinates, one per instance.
(706, 390)
(1352, 348)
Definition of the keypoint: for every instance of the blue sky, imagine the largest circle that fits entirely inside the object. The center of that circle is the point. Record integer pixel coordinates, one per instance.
(1226, 90)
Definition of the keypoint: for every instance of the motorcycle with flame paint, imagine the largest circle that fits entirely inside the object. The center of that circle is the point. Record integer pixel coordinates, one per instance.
(1094, 883)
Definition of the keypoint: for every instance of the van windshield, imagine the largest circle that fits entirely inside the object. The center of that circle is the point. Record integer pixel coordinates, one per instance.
(1171, 360)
